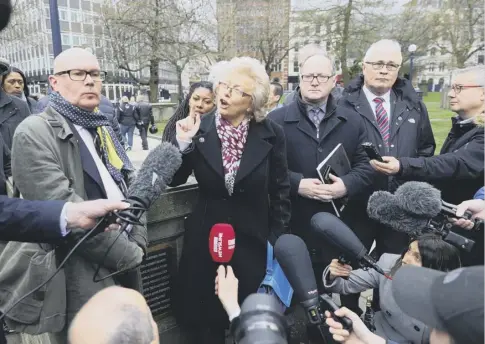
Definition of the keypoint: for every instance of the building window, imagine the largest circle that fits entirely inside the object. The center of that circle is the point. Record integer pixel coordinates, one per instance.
(318, 28)
(431, 67)
(432, 52)
(481, 59)
(66, 39)
(317, 42)
(328, 45)
(296, 69)
(442, 67)
(63, 14)
(297, 47)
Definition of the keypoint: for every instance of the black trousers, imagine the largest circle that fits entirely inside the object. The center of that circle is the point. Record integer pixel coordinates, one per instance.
(144, 135)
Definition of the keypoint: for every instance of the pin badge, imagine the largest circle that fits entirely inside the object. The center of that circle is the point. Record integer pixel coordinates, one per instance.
(201, 140)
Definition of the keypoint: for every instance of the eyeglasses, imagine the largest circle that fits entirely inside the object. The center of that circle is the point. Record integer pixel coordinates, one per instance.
(320, 78)
(459, 88)
(379, 65)
(225, 87)
(81, 75)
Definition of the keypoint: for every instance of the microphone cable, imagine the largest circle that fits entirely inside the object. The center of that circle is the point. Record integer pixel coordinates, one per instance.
(128, 217)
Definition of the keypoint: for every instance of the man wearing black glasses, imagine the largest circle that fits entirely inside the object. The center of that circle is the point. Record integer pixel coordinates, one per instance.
(314, 125)
(70, 152)
(398, 125)
(458, 170)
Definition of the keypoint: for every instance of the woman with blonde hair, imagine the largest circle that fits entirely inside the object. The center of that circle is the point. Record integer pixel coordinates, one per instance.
(238, 158)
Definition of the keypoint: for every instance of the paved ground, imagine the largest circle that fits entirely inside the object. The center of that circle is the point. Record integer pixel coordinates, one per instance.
(137, 154)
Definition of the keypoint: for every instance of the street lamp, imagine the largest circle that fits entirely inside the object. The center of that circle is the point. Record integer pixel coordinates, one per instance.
(55, 28)
(412, 48)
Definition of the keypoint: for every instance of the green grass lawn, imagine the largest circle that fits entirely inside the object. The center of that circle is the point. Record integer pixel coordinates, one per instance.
(440, 119)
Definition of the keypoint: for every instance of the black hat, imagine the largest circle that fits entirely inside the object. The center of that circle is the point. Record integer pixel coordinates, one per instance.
(450, 302)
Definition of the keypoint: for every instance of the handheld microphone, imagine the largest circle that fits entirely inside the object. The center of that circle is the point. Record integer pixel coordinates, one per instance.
(151, 181)
(416, 208)
(293, 257)
(222, 242)
(333, 230)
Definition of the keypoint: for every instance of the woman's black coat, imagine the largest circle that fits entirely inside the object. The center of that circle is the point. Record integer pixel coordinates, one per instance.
(259, 210)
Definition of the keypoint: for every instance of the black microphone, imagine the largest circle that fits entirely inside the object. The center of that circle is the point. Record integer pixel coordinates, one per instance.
(333, 230)
(5, 12)
(416, 208)
(150, 182)
(292, 255)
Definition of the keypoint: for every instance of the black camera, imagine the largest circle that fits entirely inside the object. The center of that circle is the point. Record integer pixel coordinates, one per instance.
(261, 321)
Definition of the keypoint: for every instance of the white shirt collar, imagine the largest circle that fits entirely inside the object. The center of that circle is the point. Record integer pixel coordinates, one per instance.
(371, 96)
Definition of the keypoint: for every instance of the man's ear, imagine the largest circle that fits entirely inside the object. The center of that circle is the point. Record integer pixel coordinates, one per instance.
(53, 82)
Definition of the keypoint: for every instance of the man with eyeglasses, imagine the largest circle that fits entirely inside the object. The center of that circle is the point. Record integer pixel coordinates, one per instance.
(71, 153)
(397, 123)
(458, 170)
(314, 125)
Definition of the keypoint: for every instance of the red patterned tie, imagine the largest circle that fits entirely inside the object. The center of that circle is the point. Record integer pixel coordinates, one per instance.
(382, 120)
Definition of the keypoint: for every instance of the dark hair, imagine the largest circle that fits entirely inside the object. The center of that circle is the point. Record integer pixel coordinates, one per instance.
(16, 70)
(278, 89)
(182, 111)
(135, 326)
(435, 254)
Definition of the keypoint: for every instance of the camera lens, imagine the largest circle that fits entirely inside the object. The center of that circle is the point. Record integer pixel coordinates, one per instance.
(261, 321)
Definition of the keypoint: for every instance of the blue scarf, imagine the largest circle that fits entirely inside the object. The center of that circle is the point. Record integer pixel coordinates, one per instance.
(94, 120)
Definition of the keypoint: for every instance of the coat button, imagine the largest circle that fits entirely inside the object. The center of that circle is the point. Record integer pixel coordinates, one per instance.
(399, 118)
(320, 149)
(241, 190)
(388, 313)
(392, 146)
(201, 140)
(380, 145)
(417, 328)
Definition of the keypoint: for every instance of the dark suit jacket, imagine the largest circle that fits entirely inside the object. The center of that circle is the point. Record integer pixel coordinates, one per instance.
(259, 210)
(30, 221)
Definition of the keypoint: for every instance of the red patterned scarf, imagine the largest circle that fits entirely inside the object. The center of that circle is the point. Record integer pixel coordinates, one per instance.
(233, 141)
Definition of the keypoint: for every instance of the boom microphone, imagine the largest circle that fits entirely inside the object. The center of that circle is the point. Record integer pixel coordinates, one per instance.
(414, 209)
(222, 242)
(151, 181)
(292, 255)
(333, 230)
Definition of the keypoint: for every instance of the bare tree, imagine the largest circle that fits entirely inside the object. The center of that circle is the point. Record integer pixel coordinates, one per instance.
(460, 29)
(145, 33)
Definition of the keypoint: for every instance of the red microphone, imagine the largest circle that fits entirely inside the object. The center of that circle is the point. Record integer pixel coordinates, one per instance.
(222, 242)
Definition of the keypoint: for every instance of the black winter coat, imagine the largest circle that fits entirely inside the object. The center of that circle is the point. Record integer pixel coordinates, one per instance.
(128, 114)
(107, 108)
(12, 111)
(146, 113)
(411, 133)
(5, 168)
(259, 211)
(458, 172)
(305, 152)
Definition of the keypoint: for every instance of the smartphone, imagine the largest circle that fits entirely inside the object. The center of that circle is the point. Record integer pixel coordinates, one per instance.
(371, 151)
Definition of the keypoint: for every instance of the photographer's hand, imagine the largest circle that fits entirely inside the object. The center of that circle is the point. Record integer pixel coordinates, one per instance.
(226, 290)
(476, 207)
(338, 270)
(360, 333)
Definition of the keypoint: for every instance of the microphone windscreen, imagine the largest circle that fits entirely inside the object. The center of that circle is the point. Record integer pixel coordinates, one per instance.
(292, 255)
(334, 231)
(222, 242)
(156, 172)
(419, 198)
(5, 12)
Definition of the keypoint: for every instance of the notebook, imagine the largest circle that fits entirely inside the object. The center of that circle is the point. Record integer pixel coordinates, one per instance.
(338, 164)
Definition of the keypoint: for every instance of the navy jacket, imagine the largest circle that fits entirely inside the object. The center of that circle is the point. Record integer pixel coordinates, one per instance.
(30, 221)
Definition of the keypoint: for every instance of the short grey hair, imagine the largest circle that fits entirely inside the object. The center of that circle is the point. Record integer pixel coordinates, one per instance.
(311, 50)
(135, 326)
(253, 69)
(215, 72)
(383, 44)
(478, 71)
